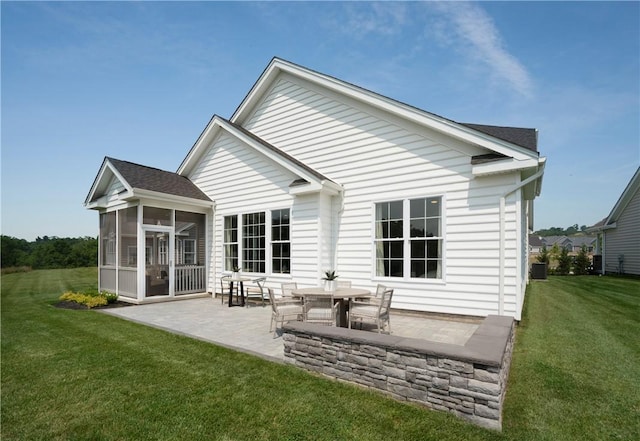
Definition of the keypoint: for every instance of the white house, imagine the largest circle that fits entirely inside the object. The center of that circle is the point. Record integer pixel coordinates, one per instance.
(619, 233)
(312, 173)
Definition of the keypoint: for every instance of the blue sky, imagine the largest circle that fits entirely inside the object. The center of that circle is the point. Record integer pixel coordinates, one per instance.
(139, 81)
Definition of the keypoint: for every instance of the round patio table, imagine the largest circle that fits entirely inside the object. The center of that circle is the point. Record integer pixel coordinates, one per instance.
(342, 294)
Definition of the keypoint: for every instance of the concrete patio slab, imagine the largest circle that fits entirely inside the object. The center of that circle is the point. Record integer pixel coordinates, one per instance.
(247, 329)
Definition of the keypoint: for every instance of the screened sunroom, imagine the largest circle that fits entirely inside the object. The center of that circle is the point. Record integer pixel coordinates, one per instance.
(152, 244)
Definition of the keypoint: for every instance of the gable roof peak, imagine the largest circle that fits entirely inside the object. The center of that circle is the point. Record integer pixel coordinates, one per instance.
(511, 141)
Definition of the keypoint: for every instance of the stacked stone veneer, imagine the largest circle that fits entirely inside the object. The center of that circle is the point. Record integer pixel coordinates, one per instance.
(469, 381)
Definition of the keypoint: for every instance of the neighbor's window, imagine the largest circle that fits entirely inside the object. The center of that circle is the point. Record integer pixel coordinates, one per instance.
(280, 242)
(416, 249)
(253, 242)
(230, 242)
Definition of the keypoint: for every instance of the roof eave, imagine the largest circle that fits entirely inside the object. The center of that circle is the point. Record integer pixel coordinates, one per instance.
(435, 122)
(141, 193)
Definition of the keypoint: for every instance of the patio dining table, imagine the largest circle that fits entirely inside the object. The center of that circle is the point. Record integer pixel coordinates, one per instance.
(240, 280)
(342, 294)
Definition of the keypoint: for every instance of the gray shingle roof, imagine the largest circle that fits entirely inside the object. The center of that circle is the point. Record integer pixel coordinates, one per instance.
(527, 138)
(154, 179)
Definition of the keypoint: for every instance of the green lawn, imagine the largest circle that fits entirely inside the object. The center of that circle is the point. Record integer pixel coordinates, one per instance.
(84, 375)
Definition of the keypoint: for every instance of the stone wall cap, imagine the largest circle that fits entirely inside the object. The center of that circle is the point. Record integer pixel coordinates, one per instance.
(486, 346)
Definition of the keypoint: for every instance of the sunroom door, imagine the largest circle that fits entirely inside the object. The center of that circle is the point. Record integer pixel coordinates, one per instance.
(158, 262)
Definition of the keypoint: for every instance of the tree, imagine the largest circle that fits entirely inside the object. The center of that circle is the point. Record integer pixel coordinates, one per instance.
(15, 252)
(564, 262)
(49, 252)
(582, 263)
(543, 257)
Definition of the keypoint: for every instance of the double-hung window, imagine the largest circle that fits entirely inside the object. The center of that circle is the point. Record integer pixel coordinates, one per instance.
(253, 242)
(230, 242)
(408, 238)
(280, 242)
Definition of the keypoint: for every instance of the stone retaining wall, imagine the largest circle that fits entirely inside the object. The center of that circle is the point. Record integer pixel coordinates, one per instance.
(469, 381)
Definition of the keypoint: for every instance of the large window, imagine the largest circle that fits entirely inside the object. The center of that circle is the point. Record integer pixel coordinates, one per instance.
(280, 242)
(230, 242)
(258, 242)
(408, 238)
(253, 242)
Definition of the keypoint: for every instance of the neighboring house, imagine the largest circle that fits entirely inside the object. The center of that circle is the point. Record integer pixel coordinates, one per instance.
(535, 244)
(560, 241)
(312, 173)
(619, 233)
(589, 242)
(573, 244)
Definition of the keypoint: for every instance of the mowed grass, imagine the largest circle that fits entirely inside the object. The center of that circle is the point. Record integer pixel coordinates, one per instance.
(85, 375)
(576, 366)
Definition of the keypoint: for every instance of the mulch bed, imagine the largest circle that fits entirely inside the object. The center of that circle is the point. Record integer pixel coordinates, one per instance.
(66, 304)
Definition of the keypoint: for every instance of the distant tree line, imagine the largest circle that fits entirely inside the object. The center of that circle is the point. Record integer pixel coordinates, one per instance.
(49, 252)
(558, 231)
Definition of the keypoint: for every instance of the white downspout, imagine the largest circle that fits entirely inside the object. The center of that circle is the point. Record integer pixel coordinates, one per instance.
(503, 203)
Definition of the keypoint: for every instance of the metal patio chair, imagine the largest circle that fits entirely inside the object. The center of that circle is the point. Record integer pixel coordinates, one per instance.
(321, 309)
(375, 311)
(283, 310)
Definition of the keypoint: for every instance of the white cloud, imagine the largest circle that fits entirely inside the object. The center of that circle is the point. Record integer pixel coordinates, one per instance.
(469, 28)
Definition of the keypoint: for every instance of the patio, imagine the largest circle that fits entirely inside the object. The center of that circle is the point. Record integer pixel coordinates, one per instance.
(247, 329)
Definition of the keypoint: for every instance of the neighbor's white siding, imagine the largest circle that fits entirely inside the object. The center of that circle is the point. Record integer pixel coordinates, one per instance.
(376, 157)
(624, 240)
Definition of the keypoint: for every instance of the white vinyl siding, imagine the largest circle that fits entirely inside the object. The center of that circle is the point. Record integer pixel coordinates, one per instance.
(624, 240)
(242, 181)
(377, 158)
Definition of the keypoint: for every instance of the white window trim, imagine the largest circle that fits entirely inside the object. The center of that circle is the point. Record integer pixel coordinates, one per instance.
(272, 242)
(268, 265)
(406, 240)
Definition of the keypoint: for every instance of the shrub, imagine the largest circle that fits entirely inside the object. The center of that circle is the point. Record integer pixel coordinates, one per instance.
(90, 299)
(110, 296)
(581, 264)
(564, 263)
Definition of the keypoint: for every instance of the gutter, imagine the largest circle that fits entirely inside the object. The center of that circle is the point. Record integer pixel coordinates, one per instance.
(503, 204)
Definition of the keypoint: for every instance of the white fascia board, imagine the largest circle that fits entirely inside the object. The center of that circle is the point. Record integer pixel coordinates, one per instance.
(503, 166)
(402, 110)
(100, 181)
(317, 184)
(139, 193)
(205, 138)
(632, 187)
(217, 124)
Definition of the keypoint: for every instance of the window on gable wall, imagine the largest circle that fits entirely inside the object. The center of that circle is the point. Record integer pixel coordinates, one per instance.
(408, 238)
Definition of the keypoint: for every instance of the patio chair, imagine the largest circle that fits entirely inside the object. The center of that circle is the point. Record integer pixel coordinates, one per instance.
(287, 289)
(321, 309)
(283, 310)
(375, 311)
(225, 287)
(379, 290)
(256, 291)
